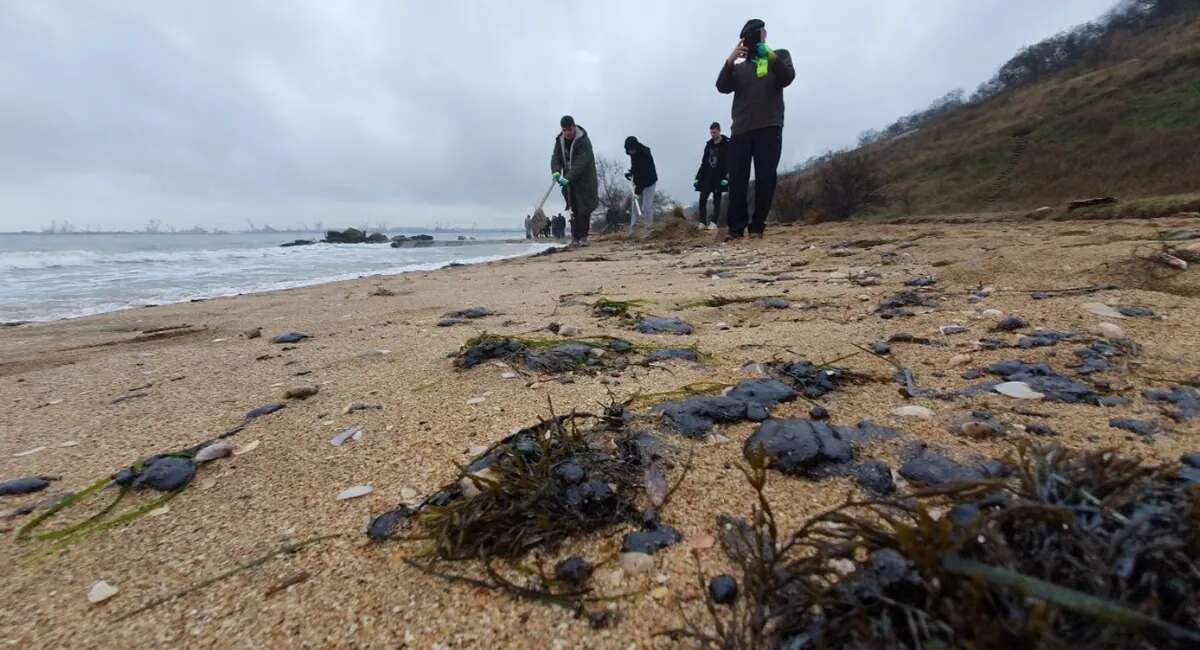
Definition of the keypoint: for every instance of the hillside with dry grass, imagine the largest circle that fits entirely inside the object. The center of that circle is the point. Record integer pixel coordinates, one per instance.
(1123, 120)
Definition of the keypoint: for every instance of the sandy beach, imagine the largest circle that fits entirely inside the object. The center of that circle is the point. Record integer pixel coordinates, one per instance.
(84, 398)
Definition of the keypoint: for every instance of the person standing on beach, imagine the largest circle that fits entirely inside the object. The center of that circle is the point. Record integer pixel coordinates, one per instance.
(559, 226)
(573, 167)
(644, 176)
(756, 74)
(713, 175)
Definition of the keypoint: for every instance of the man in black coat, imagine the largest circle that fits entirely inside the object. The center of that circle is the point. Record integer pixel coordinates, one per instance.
(559, 226)
(756, 74)
(644, 177)
(712, 177)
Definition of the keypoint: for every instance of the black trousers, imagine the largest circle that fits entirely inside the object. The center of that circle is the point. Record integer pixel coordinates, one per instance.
(762, 147)
(716, 197)
(580, 223)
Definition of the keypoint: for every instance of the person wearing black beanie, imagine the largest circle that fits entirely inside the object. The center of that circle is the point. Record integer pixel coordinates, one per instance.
(756, 75)
(645, 179)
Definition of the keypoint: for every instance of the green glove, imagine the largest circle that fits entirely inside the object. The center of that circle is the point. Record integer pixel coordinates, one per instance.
(763, 51)
(560, 179)
(724, 182)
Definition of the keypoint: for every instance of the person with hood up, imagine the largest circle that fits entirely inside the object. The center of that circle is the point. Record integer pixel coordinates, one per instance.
(712, 177)
(644, 177)
(573, 167)
(756, 74)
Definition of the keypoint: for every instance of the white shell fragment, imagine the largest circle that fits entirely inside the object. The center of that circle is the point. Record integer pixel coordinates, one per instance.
(218, 449)
(1017, 390)
(1103, 310)
(101, 591)
(353, 433)
(355, 492)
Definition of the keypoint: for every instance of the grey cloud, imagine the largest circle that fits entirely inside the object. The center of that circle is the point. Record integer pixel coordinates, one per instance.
(215, 113)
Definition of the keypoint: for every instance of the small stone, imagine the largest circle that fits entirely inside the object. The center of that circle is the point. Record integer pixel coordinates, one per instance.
(1109, 331)
(722, 325)
(353, 433)
(476, 400)
(636, 563)
(509, 375)
(660, 593)
(818, 413)
(913, 411)
(408, 494)
(948, 330)
(568, 331)
(723, 589)
(701, 542)
(24, 485)
(360, 406)
(301, 392)
(355, 492)
(862, 297)
(993, 313)
(959, 360)
(289, 337)
(1010, 324)
(100, 592)
(881, 347)
(253, 333)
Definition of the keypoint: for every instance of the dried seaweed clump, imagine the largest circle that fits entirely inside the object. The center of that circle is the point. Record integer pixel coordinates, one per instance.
(535, 489)
(1079, 549)
(620, 309)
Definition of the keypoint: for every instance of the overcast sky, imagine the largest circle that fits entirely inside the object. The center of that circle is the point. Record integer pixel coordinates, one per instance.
(414, 113)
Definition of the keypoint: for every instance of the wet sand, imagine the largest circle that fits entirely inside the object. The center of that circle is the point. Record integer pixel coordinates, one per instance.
(197, 378)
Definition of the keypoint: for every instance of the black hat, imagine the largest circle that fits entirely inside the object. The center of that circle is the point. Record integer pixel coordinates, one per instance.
(715, 125)
(754, 24)
(566, 121)
(631, 143)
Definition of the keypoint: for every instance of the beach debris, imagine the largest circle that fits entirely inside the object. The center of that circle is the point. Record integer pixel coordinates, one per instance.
(1044, 338)
(162, 473)
(290, 580)
(126, 398)
(960, 360)
(810, 380)
(1185, 399)
(354, 492)
(354, 407)
(568, 331)
(1144, 428)
(24, 485)
(949, 330)
(723, 589)
(1017, 390)
(652, 538)
(247, 448)
(289, 337)
(477, 311)
(902, 304)
(1167, 259)
(253, 333)
(844, 578)
(794, 446)
(213, 451)
(451, 322)
(881, 347)
(663, 326)
(1010, 324)
(922, 281)
(979, 425)
(619, 309)
(913, 411)
(301, 392)
(1102, 310)
(265, 409)
(352, 434)
(380, 291)
(818, 413)
(1134, 311)
(694, 417)
(29, 452)
(101, 591)
(384, 526)
(573, 571)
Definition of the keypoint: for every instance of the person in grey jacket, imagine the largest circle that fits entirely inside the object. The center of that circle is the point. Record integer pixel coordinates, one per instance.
(573, 167)
(756, 74)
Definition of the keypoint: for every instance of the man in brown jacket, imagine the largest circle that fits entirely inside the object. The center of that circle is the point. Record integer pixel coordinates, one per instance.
(756, 75)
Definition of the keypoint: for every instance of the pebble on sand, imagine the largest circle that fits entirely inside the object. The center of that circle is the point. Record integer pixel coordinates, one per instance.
(218, 449)
(635, 563)
(289, 337)
(1110, 331)
(301, 392)
(101, 591)
(913, 411)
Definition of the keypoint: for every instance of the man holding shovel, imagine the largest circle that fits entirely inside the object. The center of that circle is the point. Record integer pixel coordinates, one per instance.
(573, 167)
(756, 74)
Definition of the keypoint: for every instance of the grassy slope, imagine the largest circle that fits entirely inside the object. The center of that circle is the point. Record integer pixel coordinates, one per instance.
(1127, 126)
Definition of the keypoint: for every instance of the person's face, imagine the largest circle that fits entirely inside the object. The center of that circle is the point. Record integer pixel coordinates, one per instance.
(568, 132)
(715, 133)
